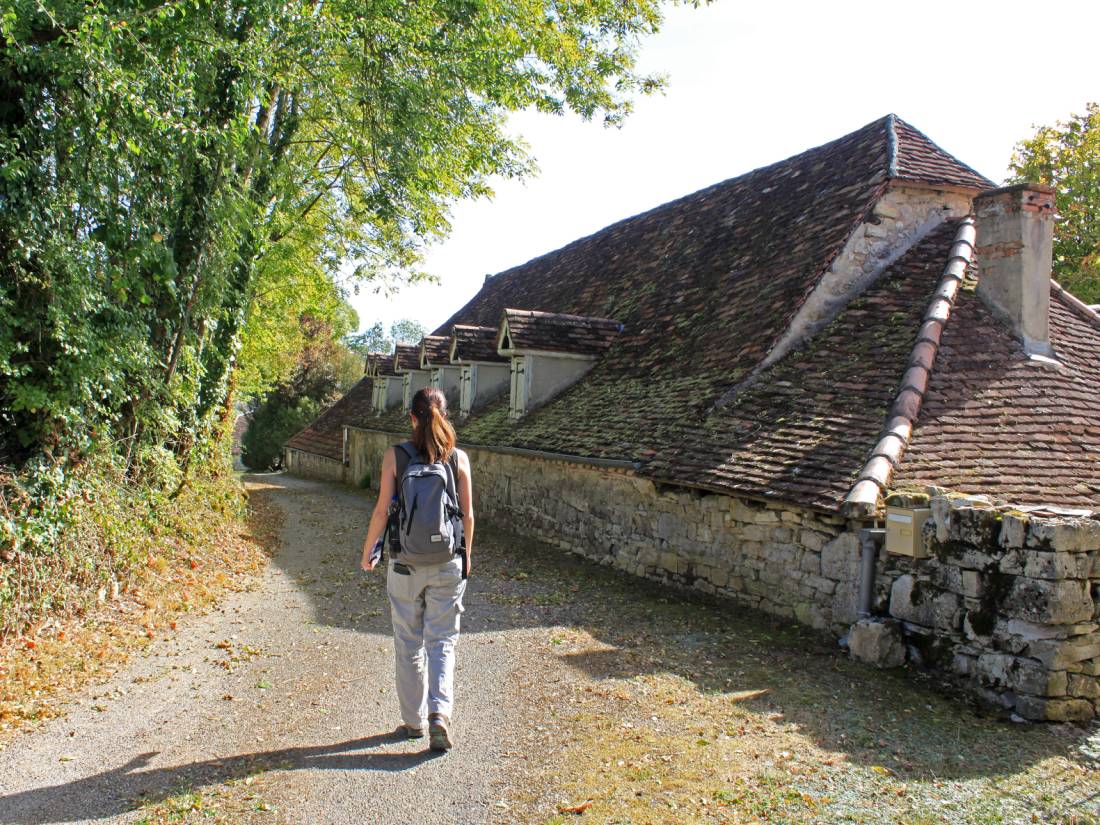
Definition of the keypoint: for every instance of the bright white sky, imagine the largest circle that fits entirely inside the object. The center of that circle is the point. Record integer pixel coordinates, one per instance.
(755, 81)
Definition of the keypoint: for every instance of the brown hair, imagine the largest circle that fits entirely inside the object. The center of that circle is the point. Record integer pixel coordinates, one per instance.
(433, 435)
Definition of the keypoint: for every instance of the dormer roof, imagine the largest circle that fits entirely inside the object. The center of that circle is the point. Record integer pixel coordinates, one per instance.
(406, 357)
(525, 330)
(377, 363)
(473, 343)
(435, 351)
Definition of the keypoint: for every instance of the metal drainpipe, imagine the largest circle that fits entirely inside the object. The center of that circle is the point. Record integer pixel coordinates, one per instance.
(870, 540)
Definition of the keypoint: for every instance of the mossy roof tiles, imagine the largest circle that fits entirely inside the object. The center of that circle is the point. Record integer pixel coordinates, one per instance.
(997, 422)
(406, 357)
(557, 332)
(475, 343)
(705, 285)
(435, 351)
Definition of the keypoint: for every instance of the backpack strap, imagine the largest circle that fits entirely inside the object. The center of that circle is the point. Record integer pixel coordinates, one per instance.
(403, 453)
(452, 481)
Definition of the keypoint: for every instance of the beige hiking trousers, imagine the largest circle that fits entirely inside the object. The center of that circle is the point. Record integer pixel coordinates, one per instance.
(426, 607)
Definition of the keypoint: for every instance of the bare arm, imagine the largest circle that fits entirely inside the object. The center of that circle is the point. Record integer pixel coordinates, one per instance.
(466, 502)
(387, 482)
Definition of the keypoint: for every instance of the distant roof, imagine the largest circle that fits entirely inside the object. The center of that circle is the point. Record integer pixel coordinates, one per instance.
(325, 434)
(557, 332)
(473, 343)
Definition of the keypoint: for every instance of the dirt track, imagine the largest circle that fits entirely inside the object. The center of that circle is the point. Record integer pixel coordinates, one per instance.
(291, 684)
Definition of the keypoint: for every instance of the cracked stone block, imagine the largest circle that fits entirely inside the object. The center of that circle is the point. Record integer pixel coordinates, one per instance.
(1050, 602)
(877, 642)
(912, 601)
(840, 558)
(1084, 687)
(1059, 655)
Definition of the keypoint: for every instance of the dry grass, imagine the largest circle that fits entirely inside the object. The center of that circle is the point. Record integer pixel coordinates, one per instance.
(181, 574)
(649, 707)
(224, 804)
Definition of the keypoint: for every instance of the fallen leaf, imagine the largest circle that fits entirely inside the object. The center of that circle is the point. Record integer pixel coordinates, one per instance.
(575, 809)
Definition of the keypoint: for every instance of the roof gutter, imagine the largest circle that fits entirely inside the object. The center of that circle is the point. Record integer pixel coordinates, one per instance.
(862, 500)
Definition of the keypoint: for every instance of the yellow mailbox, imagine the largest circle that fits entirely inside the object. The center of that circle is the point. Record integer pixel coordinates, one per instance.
(903, 531)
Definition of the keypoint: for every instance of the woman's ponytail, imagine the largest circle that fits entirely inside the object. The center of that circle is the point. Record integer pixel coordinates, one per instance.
(433, 435)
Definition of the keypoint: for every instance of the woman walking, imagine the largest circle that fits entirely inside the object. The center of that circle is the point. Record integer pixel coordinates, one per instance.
(425, 588)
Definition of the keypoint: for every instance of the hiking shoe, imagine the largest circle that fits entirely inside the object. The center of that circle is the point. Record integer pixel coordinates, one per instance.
(410, 732)
(439, 732)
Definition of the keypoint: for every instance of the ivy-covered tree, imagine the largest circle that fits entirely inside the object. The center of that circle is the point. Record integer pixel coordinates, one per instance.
(1067, 157)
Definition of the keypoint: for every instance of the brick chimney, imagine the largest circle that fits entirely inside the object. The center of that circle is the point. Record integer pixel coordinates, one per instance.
(1015, 247)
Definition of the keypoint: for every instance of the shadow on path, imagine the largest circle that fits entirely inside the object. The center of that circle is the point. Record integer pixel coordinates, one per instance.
(901, 719)
(122, 789)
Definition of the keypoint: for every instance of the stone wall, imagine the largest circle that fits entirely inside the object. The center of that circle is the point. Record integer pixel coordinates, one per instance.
(1007, 604)
(310, 465)
(787, 561)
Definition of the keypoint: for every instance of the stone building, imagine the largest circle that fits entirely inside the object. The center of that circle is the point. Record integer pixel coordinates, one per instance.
(745, 390)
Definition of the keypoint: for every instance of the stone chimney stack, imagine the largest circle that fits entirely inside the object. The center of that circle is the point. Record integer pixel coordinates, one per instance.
(1015, 248)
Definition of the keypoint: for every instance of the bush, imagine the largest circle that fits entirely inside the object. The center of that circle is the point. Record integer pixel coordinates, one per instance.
(71, 536)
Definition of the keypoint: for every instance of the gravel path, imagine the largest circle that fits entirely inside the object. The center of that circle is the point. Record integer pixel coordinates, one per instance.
(290, 683)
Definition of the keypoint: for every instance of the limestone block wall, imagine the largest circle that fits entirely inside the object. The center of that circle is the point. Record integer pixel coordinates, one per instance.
(309, 465)
(1008, 604)
(786, 561)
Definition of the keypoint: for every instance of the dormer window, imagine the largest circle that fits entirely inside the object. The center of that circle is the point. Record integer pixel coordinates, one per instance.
(406, 363)
(549, 352)
(483, 371)
(435, 357)
(386, 387)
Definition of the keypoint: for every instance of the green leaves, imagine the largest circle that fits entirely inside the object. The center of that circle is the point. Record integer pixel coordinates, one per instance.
(1067, 157)
(183, 183)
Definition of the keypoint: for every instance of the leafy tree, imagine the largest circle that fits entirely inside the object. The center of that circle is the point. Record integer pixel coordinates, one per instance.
(1067, 157)
(324, 371)
(407, 331)
(169, 169)
(375, 339)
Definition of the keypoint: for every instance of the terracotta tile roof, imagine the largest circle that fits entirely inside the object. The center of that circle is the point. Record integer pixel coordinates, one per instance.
(377, 363)
(473, 343)
(325, 434)
(435, 351)
(999, 423)
(759, 241)
(406, 357)
(704, 286)
(385, 366)
(558, 332)
(801, 432)
(916, 158)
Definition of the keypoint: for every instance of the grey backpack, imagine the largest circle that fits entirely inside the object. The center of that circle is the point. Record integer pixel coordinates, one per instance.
(429, 517)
